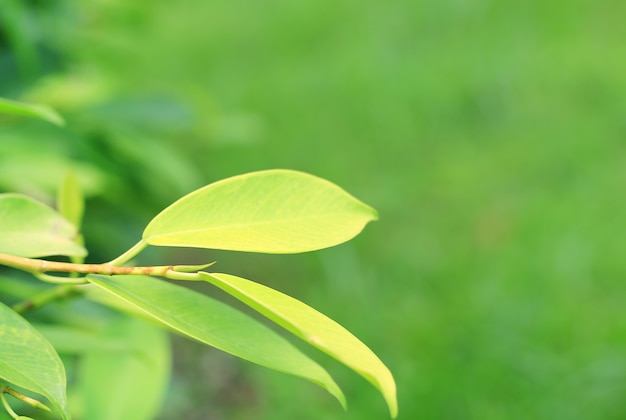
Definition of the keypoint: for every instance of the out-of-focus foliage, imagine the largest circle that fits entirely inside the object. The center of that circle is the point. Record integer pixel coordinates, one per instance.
(489, 135)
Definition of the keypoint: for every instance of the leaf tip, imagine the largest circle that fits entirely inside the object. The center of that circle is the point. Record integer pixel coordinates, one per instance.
(389, 394)
(56, 119)
(48, 114)
(374, 214)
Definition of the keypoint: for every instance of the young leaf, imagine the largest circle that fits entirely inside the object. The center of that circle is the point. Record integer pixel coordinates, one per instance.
(71, 205)
(70, 201)
(29, 361)
(313, 327)
(27, 110)
(29, 228)
(126, 383)
(211, 322)
(274, 211)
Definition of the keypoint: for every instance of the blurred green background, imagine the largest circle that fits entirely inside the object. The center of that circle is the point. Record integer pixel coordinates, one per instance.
(489, 135)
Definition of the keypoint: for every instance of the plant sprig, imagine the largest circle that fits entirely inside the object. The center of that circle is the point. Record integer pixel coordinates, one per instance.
(276, 211)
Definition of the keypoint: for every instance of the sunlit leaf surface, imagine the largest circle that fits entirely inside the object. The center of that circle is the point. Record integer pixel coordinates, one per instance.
(211, 322)
(313, 327)
(29, 228)
(274, 211)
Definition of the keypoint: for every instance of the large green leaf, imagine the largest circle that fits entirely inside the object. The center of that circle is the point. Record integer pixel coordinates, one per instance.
(29, 228)
(27, 110)
(313, 327)
(126, 383)
(29, 361)
(275, 211)
(216, 324)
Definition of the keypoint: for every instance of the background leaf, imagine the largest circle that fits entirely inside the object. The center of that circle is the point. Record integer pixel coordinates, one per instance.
(211, 322)
(70, 200)
(74, 340)
(313, 327)
(27, 110)
(128, 382)
(29, 361)
(275, 211)
(29, 228)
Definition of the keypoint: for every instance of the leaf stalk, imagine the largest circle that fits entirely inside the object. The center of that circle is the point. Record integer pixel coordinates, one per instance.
(5, 389)
(37, 266)
(130, 254)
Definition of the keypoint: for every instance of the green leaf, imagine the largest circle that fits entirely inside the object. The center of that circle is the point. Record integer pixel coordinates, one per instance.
(72, 340)
(275, 211)
(130, 382)
(16, 27)
(70, 201)
(313, 327)
(71, 205)
(211, 322)
(29, 361)
(27, 110)
(29, 228)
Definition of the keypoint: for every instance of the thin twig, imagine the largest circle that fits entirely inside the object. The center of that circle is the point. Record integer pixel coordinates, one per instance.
(43, 298)
(33, 265)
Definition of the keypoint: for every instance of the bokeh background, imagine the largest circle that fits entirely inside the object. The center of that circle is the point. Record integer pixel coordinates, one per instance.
(489, 135)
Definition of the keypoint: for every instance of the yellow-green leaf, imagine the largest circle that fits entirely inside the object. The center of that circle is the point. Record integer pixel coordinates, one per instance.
(70, 201)
(313, 327)
(29, 228)
(28, 110)
(214, 323)
(275, 211)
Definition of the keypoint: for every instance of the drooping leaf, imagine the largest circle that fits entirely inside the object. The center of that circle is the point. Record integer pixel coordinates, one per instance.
(29, 361)
(313, 327)
(274, 211)
(28, 110)
(126, 383)
(214, 323)
(29, 228)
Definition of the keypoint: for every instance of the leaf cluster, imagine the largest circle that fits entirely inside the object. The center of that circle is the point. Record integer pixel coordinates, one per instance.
(274, 211)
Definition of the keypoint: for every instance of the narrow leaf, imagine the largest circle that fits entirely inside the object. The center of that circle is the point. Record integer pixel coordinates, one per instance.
(211, 322)
(313, 327)
(130, 382)
(28, 110)
(275, 211)
(29, 228)
(29, 361)
(70, 201)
